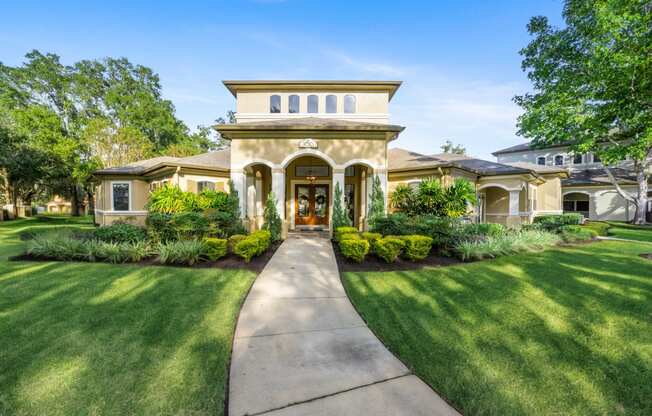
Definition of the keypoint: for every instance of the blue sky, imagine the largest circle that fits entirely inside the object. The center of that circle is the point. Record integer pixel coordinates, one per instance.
(458, 59)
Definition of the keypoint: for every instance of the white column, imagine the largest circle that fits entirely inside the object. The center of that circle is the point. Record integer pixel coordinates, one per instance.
(278, 187)
(251, 196)
(513, 202)
(338, 178)
(258, 184)
(238, 179)
(363, 194)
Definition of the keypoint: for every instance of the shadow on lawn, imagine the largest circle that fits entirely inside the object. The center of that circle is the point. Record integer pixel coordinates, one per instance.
(563, 332)
(80, 338)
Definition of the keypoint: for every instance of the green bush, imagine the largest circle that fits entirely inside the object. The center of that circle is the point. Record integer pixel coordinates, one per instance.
(235, 239)
(170, 199)
(576, 233)
(120, 233)
(272, 220)
(112, 252)
(186, 252)
(189, 225)
(601, 228)
(66, 247)
(160, 228)
(344, 230)
(216, 248)
(340, 216)
(417, 247)
(217, 200)
(355, 250)
(74, 232)
(252, 245)
(442, 230)
(222, 224)
(553, 222)
(350, 236)
(505, 244)
(388, 248)
(371, 237)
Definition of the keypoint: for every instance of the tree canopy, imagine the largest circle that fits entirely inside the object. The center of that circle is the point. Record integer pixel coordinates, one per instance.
(592, 85)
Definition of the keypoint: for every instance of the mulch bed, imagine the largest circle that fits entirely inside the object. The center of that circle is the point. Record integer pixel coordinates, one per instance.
(647, 256)
(230, 261)
(374, 264)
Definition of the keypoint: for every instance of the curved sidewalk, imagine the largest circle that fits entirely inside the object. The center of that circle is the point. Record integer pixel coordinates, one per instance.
(300, 348)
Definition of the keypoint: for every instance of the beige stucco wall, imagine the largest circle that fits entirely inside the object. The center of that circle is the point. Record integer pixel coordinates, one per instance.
(548, 195)
(605, 204)
(340, 150)
(254, 106)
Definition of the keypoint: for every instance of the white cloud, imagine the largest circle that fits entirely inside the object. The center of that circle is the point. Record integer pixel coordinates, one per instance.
(360, 65)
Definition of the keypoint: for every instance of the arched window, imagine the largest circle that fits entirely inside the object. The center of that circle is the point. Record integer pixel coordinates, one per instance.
(275, 104)
(349, 103)
(331, 104)
(559, 160)
(313, 104)
(541, 160)
(577, 159)
(293, 103)
(205, 185)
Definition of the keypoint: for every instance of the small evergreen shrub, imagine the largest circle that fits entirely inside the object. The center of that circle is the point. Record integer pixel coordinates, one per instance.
(160, 228)
(344, 230)
(340, 216)
(388, 248)
(350, 236)
(553, 222)
(377, 202)
(189, 225)
(272, 220)
(355, 250)
(235, 239)
(252, 245)
(217, 200)
(222, 224)
(120, 233)
(216, 248)
(417, 247)
(601, 228)
(187, 252)
(170, 199)
(371, 237)
(505, 244)
(576, 233)
(112, 252)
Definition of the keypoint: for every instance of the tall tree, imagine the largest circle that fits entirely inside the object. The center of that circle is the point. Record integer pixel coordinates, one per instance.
(449, 147)
(592, 84)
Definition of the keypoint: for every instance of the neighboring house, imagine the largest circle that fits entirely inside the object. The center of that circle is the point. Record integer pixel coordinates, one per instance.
(301, 138)
(588, 189)
(58, 205)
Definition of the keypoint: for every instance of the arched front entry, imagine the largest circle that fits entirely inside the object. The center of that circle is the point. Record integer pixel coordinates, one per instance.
(499, 204)
(577, 202)
(308, 181)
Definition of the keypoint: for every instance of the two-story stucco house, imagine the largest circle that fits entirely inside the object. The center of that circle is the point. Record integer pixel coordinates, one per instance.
(301, 138)
(587, 189)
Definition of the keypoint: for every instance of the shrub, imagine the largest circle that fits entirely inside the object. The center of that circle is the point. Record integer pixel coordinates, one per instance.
(553, 222)
(377, 204)
(218, 200)
(388, 248)
(189, 225)
(417, 247)
(477, 232)
(186, 252)
(160, 228)
(371, 237)
(235, 239)
(507, 243)
(272, 220)
(252, 245)
(216, 248)
(601, 228)
(350, 236)
(344, 230)
(170, 199)
(403, 199)
(222, 224)
(576, 233)
(442, 230)
(74, 232)
(355, 250)
(392, 224)
(113, 252)
(60, 246)
(340, 216)
(120, 233)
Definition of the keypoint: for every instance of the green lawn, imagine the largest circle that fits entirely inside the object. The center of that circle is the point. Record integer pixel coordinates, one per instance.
(564, 332)
(80, 338)
(630, 232)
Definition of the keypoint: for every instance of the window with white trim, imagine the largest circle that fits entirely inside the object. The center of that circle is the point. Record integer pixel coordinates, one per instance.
(205, 186)
(577, 159)
(313, 104)
(293, 103)
(120, 196)
(331, 103)
(275, 104)
(559, 160)
(541, 160)
(349, 104)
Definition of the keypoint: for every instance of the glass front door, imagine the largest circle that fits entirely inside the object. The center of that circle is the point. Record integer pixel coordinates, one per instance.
(311, 204)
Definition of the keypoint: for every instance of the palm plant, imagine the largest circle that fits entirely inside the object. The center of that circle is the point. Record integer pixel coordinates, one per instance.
(403, 199)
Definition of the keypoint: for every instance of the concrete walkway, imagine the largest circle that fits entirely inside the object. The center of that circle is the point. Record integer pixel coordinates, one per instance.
(301, 349)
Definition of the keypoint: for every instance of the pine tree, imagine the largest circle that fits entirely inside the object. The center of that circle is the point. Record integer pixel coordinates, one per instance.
(272, 220)
(340, 217)
(377, 205)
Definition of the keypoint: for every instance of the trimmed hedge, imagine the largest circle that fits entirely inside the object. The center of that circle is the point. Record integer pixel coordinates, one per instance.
(254, 244)
(120, 233)
(388, 248)
(371, 237)
(344, 230)
(216, 248)
(355, 249)
(233, 240)
(576, 233)
(350, 236)
(553, 222)
(417, 247)
(601, 228)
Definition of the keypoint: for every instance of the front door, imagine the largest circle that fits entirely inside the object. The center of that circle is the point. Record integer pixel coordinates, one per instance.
(311, 204)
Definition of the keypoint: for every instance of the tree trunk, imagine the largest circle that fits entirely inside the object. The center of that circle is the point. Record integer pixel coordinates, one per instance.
(14, 202)
(91, 204)
(74, 202)
(641, 206)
